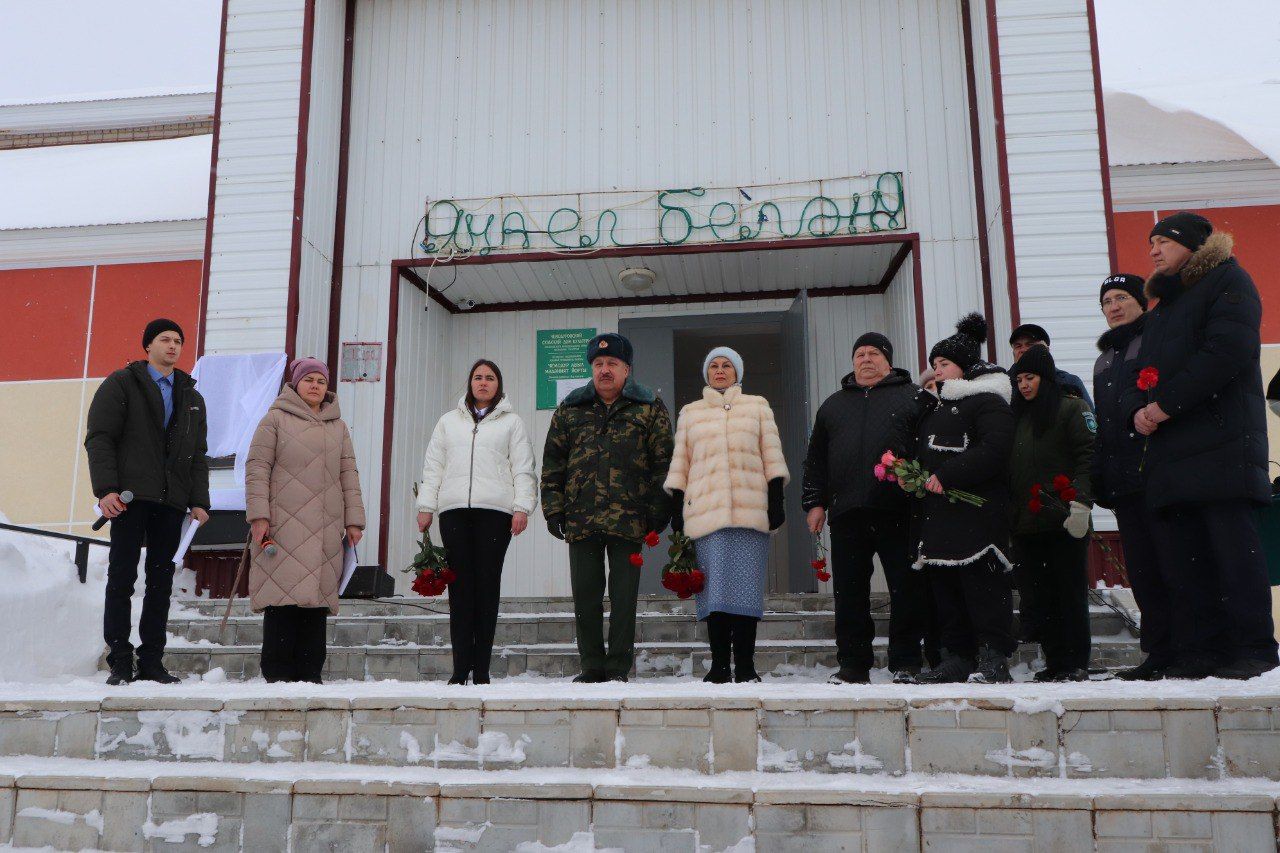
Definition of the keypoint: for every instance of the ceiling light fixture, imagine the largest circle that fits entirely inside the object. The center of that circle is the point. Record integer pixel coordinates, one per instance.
(637, 279)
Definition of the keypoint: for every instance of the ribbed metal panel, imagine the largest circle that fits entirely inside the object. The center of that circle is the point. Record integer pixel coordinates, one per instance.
(1194, 185)
(319, 208)
(1001, 301)
(249, 266)
(1051, 126)
(468, 100)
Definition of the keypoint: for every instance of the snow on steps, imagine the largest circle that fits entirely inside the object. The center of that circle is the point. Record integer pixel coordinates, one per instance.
(71, 804)
(412, 662)
(1100, 730)
(409, 627)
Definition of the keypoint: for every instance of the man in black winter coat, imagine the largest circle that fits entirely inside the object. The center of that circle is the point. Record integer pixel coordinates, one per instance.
(1118, 468)
(1206, 459)
(868, 518)
(146, 435)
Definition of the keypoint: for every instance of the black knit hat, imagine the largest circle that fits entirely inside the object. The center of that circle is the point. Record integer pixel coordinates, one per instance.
(156, 327)
(964, 348)
(1030, 331)
(1037, 360)
(1189, 229)
(1130, 284)
(877, 340)
(612, 344)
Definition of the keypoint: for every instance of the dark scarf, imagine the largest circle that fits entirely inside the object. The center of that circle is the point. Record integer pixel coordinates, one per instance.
(1121, 336)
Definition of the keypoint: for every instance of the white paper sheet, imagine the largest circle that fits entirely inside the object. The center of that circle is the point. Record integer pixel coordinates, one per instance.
(349, 562)
(565, 387)
(189, 527)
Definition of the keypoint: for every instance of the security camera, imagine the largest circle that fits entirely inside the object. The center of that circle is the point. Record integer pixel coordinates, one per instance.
(466, 304)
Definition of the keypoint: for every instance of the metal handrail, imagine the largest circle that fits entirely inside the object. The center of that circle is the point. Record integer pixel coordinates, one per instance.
(82, 545)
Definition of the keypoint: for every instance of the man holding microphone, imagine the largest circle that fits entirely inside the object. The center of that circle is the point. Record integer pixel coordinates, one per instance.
(146, 435)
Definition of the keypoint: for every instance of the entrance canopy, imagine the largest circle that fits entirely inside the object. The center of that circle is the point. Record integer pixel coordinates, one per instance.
(522, 281)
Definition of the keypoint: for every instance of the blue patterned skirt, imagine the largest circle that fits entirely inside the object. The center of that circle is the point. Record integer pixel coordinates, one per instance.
(734, 560)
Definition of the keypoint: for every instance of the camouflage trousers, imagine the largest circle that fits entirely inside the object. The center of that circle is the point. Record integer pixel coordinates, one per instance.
(588, 579)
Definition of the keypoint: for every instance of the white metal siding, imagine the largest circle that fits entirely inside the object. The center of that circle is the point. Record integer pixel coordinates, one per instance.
(319, 204)
(257, 146)
(1051, 128)
(465, 100)
(1002, 315)
(1178, 186)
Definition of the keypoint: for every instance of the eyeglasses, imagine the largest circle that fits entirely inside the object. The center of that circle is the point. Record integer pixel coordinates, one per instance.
(1118, 299)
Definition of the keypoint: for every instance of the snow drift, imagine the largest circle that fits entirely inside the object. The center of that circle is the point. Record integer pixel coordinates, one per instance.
(52, 623)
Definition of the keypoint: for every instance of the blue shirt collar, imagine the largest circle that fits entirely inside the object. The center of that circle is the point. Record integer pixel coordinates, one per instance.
(157, 376)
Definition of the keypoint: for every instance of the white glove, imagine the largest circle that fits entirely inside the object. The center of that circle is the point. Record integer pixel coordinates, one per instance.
(1077, 523)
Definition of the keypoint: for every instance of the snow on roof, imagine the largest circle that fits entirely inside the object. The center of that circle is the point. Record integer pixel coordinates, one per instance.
(105, 184)
(1220, 61)
(1139, 132)
(87, 50)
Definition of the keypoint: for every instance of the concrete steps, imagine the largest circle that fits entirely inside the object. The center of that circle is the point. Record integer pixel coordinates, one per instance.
(408, 639)
(370, 629)
(306, 807)
(889, 730)
(559, 660)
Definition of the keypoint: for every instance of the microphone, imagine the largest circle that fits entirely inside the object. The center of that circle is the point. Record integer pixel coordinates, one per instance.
(126, 497)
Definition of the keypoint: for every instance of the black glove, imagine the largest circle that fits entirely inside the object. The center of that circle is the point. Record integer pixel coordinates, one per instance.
(777, 514)
(677, 511)
(555, 525)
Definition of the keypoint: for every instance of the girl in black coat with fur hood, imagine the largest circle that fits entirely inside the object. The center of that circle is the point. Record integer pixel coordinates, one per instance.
(965, 440)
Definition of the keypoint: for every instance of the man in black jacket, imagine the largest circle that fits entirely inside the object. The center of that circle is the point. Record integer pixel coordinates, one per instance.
(1206, 463)
(1118, 467)
(146, 435)
(868, 518)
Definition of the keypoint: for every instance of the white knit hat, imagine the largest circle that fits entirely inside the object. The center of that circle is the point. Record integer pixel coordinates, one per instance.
(727, 353)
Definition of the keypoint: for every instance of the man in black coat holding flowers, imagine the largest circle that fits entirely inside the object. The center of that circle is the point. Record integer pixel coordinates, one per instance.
(1202, 411)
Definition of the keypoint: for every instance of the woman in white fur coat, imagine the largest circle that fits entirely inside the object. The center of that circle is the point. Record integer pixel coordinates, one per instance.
(726, 477)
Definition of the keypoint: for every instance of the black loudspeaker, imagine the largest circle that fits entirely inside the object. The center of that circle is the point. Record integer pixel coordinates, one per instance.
(370, 582)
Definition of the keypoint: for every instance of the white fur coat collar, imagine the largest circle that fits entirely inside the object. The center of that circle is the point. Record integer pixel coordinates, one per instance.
(988, 383)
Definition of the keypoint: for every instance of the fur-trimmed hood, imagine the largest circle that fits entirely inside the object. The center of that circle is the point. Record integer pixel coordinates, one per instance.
(983, 379)
(1120, 337)
(1215, 251)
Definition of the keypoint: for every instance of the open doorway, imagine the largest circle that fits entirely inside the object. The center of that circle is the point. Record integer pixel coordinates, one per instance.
(668, 358)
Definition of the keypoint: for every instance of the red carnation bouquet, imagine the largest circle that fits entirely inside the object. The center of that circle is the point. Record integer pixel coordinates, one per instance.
(681, 574)
(820, 565)
(431, 569)
(1148, 378)
(1058, 496)
(912, 477)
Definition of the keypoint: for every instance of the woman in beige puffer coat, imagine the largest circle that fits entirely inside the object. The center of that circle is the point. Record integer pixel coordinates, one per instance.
(302, 496)
(726, 475)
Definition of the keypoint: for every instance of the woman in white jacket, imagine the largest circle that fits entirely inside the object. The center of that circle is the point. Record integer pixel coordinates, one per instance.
(726, 475)
(479, 478)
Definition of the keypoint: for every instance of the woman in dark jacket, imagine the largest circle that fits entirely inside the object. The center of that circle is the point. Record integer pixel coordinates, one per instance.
(1053, 438)
(965, 440)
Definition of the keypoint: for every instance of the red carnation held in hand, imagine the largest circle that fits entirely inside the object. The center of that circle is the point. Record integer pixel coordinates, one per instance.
(1060, 482)
(1148, 378)
(652, 539)
(636, 560)
(1035, 505)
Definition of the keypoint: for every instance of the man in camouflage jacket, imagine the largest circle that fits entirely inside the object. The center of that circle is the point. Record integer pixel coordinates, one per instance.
(606, 457)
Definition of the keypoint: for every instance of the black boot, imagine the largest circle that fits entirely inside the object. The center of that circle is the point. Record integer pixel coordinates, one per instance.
(951, 669)
(1150, 669)
(719, 636)
(459, 677)
(157, 673)
(1244, 669)
(744, 649)
(121, 673)
(993, 668)
(1195, 666)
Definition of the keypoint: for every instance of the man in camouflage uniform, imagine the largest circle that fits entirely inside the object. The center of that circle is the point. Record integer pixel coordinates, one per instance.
(606, 457)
